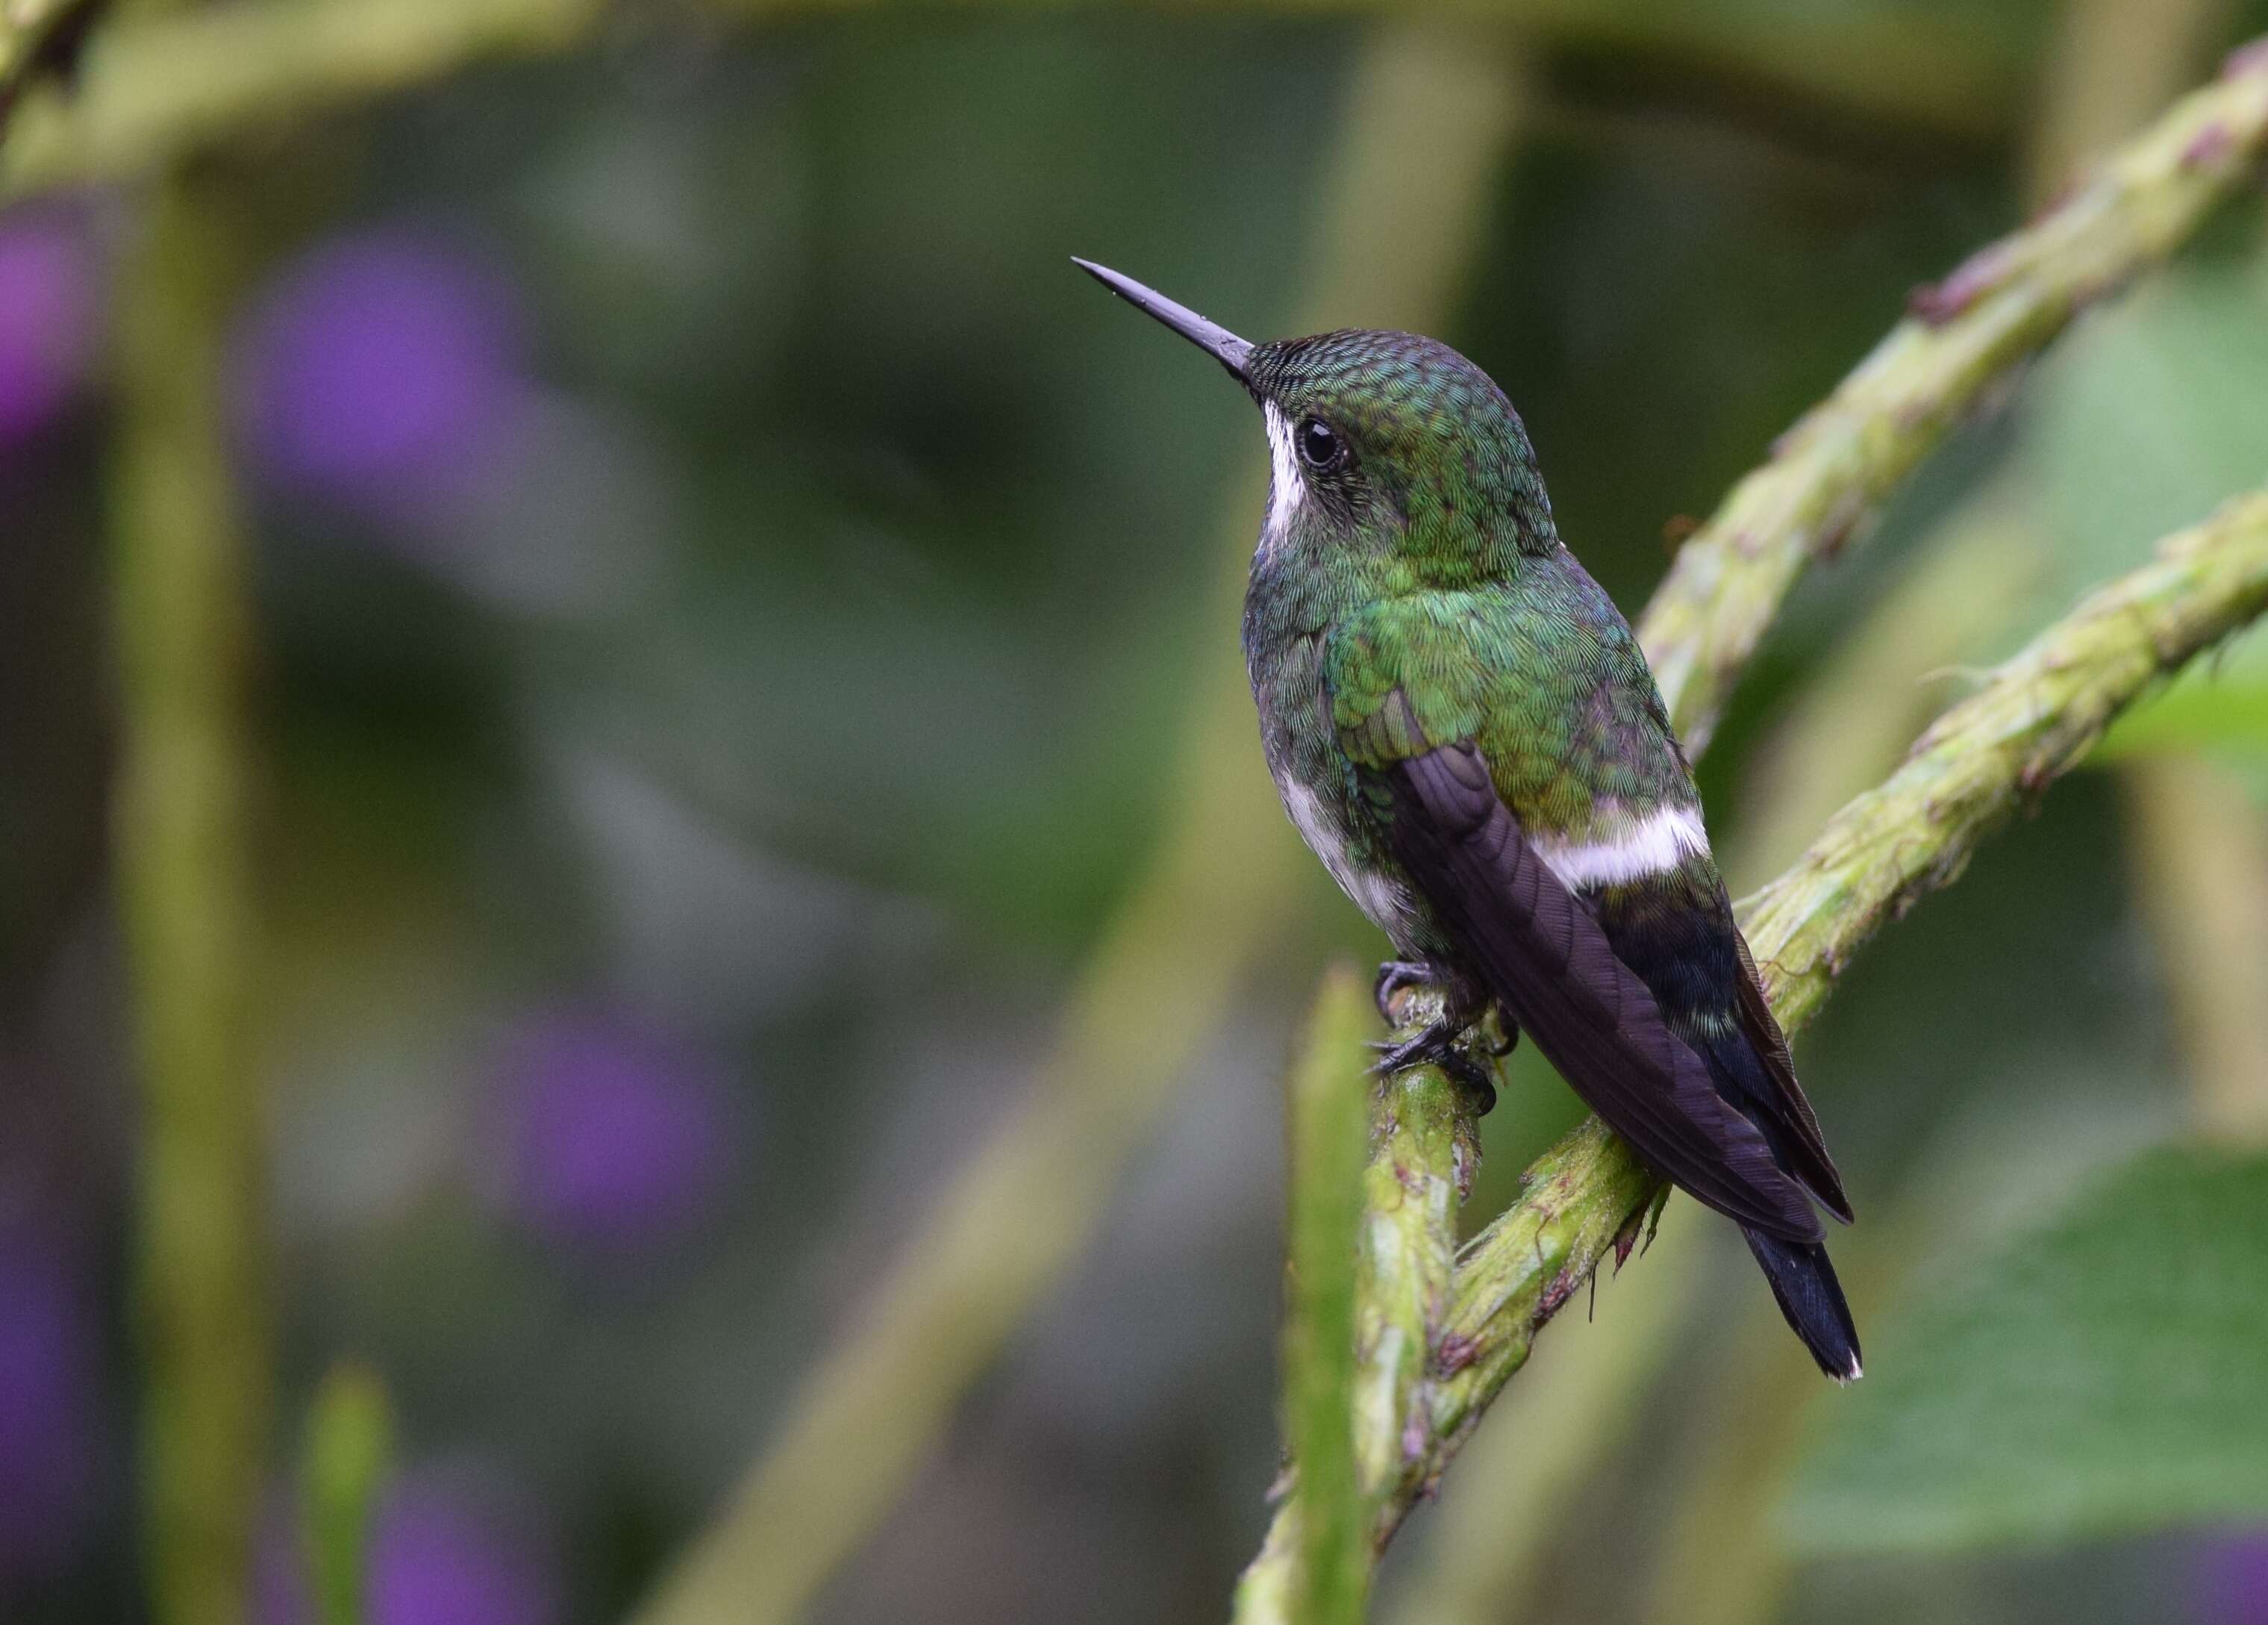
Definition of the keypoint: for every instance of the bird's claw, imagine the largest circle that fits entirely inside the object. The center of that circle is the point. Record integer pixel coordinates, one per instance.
(1438, 1046)
(1395, 975)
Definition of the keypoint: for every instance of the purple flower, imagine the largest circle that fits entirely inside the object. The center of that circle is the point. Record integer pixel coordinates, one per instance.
(47, 317)
(50, 1432)
(613, 1138)
(2232, 1578)
(446, 1549)
(443, 1554)
(382, 369)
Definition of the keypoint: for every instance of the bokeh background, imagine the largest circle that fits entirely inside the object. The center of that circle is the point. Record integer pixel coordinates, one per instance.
(739, 658)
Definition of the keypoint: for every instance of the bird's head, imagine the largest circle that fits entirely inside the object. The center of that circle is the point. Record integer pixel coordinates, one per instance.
(1379, 440)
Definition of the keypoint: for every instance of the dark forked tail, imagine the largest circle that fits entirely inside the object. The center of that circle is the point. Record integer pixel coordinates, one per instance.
(1809, 1295)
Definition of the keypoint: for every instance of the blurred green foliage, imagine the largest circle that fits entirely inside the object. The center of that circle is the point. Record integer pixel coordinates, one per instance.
(344, 1464)
(2171, 392)
(1327, 1126)
(2099, 1375)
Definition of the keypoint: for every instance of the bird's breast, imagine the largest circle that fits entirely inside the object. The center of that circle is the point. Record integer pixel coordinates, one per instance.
(1314, 781)
(1330, 836)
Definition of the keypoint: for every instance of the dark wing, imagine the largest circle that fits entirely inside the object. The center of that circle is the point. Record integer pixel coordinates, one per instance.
(1544, 955)
(1800, 1140)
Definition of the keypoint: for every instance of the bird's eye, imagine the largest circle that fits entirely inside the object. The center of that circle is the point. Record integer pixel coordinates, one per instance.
(1319, 447)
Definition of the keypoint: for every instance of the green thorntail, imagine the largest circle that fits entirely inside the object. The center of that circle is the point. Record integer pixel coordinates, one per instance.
(1463, 728)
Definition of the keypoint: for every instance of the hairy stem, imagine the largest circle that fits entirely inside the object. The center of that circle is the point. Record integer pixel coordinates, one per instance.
(2031, 721)
(1829, 473)
(1424, 1140)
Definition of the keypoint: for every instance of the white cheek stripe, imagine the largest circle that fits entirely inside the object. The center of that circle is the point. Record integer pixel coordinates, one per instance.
(1285, 490)
(1661, 840)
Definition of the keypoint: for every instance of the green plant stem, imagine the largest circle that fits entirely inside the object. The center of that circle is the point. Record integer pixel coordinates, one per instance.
(1425, 1142)
(1324, 1173)
(2032, 720)
(180, 624)
(1425, 1137)
(1543, 1437)
(1427, 122)
(1578, 1198)
(2035, 717)
(345, 1461)
(1829, 473)
(159, 88)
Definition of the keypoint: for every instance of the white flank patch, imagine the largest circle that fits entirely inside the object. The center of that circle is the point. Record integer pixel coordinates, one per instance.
(1284, 491)
(1641, 846)
(1386, 904)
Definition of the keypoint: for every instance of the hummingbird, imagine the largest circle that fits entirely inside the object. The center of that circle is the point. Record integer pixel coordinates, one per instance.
(1463, 728)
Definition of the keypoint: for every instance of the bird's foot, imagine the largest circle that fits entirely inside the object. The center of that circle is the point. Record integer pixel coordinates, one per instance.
(1440, 1046)
(1396, 974)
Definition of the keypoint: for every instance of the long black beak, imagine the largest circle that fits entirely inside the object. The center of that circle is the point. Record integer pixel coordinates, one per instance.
(1217, 341)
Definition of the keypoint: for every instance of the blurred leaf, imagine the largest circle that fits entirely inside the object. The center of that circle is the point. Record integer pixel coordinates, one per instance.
(2103, 1374)
(1328, 1103)
(349, 1455)
(2149, 417)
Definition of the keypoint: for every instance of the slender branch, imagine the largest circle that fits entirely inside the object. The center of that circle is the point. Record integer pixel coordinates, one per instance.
(1425, 1144)
(178, 610)
(2112, 64)
(1829, 472)
(161, 87)
(1523, 1476)
(2034, 719)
